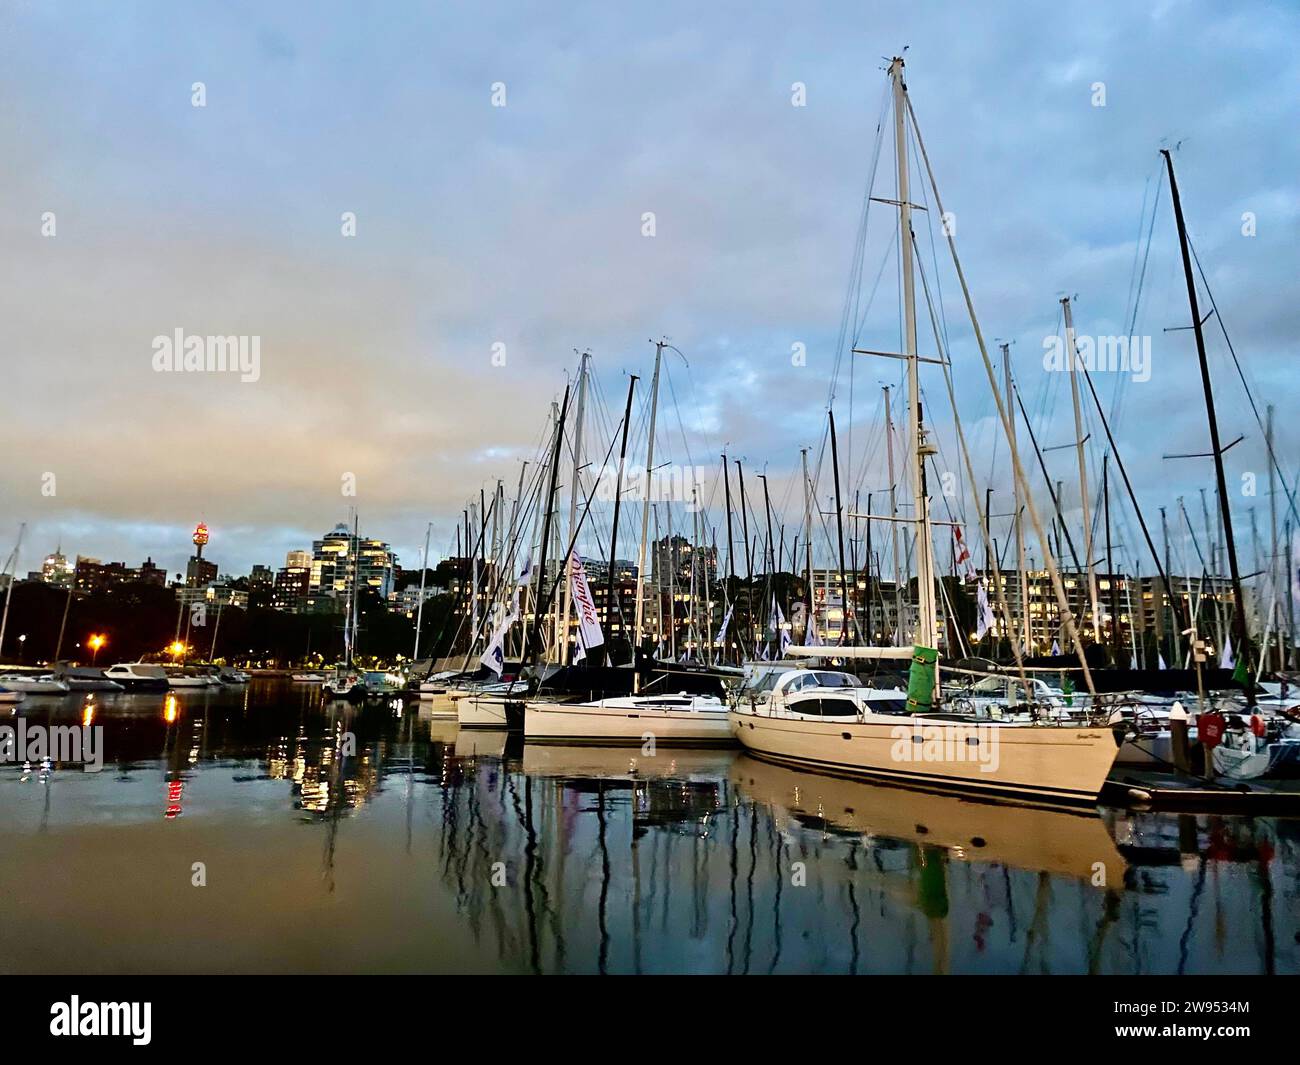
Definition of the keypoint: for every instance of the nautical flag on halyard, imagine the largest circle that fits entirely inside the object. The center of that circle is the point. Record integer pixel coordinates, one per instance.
(965, 567)
(1160, 661)
(986, 619)
(722, 632)
(1056, 648)
(810, 636)
(783, 633)
(589, 633)
(1226, 659)
(494, 656)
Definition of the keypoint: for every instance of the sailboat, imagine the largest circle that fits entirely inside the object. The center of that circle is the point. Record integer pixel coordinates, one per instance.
(345, 681)
(822, 723)
(666, 717)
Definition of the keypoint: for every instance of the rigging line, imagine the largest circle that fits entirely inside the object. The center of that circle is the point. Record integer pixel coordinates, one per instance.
(1214, 307)
(858, 253)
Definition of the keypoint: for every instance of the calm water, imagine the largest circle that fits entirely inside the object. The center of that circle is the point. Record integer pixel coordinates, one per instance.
(429, 850)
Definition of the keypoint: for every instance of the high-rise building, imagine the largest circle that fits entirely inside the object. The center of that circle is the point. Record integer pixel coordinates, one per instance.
(199, 572)
(56, 569)
(339, 558)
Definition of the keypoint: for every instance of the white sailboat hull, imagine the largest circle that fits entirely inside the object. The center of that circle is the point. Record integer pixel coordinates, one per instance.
(1047, 762)
(488, 711)
(614, 721)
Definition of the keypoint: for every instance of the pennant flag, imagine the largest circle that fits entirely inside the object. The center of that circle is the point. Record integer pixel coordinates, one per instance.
(1226, 659)
(589, 632)
(1160, 661)
(782, 632)
(986, 619)
(771, 616)
(965, 567)
(810, 636)
(726, 621)
(1056, 648)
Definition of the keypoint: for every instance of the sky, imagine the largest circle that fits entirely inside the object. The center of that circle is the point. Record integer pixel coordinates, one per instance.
(127, 212)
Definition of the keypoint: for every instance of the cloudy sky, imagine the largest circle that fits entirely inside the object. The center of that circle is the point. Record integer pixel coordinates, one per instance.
(521, 225)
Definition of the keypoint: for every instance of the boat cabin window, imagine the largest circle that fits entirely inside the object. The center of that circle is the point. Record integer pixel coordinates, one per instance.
(835, 680)
(887, 706)
(826, 707)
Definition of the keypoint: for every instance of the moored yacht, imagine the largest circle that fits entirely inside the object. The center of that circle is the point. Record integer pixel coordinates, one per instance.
(138, 676)
(11, 697)
(820, 718)
(630, 719)
(34, 683)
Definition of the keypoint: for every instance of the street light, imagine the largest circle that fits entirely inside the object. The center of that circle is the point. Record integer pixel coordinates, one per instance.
(22, 648)
(96, 642)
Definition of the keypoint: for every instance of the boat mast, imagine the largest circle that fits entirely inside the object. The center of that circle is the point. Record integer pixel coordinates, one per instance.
(645, 515)
(918, 449)
(893, 517)
(839, 532)
(807, 536)
(566, 591)
(540, 602)
(613, 535)
(1273, 582)
(1022, 579)
(1079, 440)
(731, 545)
(1239, 620)
(419, 609)
(9, 591)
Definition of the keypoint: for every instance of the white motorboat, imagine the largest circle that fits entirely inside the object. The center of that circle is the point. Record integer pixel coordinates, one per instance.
(10, 697)
(630, 719)
(827, 720)
(138, 676)
(34, 683)
(178, 678)
(86, 679)
(307, 678)
(234, 678)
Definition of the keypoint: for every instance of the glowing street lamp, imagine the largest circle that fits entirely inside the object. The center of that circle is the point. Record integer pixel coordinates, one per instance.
(96, 642)
(176, 648)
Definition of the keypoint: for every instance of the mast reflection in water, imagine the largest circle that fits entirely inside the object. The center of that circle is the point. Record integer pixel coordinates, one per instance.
(341, 839)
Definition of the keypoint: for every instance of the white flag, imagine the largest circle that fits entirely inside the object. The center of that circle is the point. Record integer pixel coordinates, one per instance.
(1056, 648)
(986, 619)
(589, 633)
(783, 632)
(722, 632)
(1160, 661)
(1226, 658)
(810, 636)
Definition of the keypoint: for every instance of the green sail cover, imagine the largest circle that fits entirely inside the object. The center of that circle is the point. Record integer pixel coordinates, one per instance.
(920, 680)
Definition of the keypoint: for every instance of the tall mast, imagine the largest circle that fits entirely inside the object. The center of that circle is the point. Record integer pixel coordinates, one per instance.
(9, 591)
(645, 514)
(1083, 469)
(731, 543)
(749, 554)
(918, 449)
(807, 536)
(566, 592)
(1274, 585)
(1022, 580)
(419, 608)
(893, 517)
(1239, 620)
(618, 499)
(1115, 641)
(540, 603)
(839, 532)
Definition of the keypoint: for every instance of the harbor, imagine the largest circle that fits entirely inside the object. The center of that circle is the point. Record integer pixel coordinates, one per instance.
(436, 849)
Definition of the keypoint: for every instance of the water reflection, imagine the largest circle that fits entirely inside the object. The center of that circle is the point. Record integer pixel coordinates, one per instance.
(339, 838)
